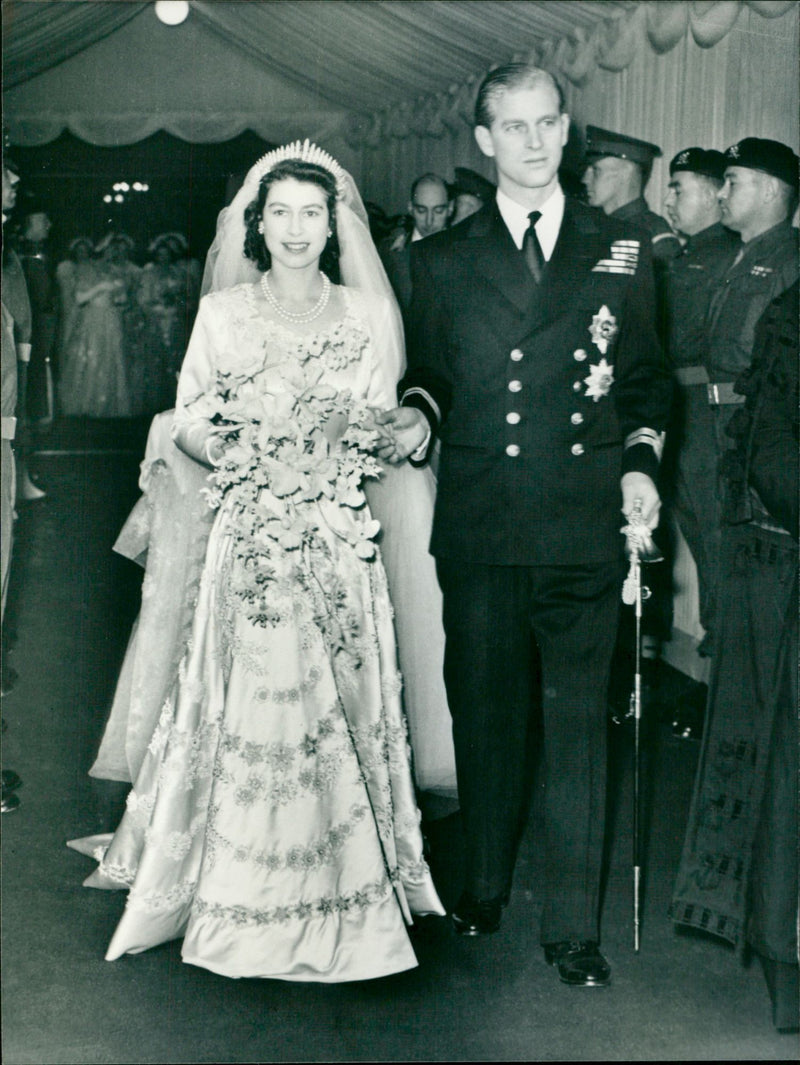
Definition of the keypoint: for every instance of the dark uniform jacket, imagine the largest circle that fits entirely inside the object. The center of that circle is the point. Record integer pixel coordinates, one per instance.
(703, 260)
(664, 245)
(768, 266)
(534, 389)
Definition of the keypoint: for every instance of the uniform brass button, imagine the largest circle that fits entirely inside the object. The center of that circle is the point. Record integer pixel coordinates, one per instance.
(579, 355)
(515, 386)
(512, 450)
(576, 386)
(517, 355)
(513, 418)
(577, 449)
(576, 418)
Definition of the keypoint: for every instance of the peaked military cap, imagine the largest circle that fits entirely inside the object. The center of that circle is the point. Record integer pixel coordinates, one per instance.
(771, 157)
(473, 184)
(601, 142)
(705, 161)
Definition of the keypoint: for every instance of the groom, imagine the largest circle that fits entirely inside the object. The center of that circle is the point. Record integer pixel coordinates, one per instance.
(532, 356)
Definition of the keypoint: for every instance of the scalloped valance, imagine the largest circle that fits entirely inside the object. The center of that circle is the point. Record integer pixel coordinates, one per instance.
(383, 70)
(610, 44)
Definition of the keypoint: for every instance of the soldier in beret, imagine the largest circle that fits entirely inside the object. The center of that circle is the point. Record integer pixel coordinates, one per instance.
(693, 208)
(757, 200)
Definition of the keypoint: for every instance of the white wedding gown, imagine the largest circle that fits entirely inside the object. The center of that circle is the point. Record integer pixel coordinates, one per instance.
(272, 823)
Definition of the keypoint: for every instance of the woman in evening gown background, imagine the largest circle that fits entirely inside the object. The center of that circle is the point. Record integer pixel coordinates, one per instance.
(94, 372)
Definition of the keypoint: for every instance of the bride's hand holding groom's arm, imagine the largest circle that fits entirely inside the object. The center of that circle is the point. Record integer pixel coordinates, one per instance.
(403, 431)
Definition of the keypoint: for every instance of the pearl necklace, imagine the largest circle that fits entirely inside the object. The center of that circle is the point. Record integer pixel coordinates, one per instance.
(302, 316)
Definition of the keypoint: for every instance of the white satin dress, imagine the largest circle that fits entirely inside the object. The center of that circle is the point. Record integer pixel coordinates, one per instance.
(272, 824)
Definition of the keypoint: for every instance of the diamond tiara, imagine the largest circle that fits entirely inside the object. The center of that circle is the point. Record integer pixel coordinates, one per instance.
(307, 153)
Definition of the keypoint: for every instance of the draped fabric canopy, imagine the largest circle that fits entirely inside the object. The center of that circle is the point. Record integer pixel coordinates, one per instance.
(389, 85)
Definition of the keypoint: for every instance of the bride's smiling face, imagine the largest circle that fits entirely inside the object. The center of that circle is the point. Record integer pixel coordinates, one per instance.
(296, 224)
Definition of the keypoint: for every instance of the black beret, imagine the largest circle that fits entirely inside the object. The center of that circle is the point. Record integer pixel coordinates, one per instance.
(473, 184)
(600, 142)
(705, 161)
(771, 157)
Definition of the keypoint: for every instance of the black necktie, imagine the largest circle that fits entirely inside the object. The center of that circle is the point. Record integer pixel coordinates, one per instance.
(532, 249)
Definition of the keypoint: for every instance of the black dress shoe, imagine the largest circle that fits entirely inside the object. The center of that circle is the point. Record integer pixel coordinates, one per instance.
(477, 917)
(580, 963)
(9, 802)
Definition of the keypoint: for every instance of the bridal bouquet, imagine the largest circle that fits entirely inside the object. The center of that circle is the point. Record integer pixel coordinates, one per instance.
(301, 443)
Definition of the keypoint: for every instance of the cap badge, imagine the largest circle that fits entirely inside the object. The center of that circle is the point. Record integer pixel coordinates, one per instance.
(733, 151)
(683, 158)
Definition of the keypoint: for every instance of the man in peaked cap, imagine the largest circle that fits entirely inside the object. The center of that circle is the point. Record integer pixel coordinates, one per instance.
(617, 171)
(469, 192)
(693, 208)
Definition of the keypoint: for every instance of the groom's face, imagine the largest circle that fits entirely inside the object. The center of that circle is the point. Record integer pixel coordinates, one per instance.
(526, 138)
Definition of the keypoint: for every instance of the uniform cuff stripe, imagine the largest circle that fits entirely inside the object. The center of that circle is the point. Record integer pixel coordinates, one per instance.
(417, 391)
(646, 436)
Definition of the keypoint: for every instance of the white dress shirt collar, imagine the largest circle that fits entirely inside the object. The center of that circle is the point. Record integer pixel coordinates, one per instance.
(515, 217)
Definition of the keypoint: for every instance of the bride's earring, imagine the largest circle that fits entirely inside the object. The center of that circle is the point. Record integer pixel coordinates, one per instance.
(260, 227)
(330, 232)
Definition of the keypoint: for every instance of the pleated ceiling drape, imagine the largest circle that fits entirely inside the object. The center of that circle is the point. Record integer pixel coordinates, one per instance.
(388, 85)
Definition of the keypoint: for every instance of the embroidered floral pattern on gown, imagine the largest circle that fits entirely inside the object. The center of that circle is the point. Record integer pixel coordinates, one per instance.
(273, 822)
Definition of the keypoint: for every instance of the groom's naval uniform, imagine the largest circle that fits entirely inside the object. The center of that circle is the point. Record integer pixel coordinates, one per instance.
(543, 395)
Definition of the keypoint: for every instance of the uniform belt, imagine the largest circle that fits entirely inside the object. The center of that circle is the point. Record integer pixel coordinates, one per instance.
(691, 375)
(720, 393)
(9, 428)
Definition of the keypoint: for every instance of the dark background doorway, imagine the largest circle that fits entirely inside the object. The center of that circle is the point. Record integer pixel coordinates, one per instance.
(186, 186)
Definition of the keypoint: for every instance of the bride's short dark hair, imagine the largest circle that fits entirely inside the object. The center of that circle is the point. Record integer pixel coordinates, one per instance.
(254, 245)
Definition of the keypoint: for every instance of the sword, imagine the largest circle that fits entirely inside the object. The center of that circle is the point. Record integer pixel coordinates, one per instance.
(640, 548)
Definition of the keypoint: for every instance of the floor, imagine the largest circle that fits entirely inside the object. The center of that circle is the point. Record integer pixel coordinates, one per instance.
(682, 997)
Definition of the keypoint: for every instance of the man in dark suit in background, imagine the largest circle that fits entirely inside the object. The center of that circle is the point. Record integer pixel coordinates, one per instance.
(532, 355)
(429, 210)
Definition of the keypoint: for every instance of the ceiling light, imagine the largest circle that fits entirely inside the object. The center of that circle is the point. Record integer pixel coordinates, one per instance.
(172, 12)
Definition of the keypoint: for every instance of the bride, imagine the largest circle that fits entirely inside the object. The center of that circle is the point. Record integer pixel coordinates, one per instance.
(272, 823)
